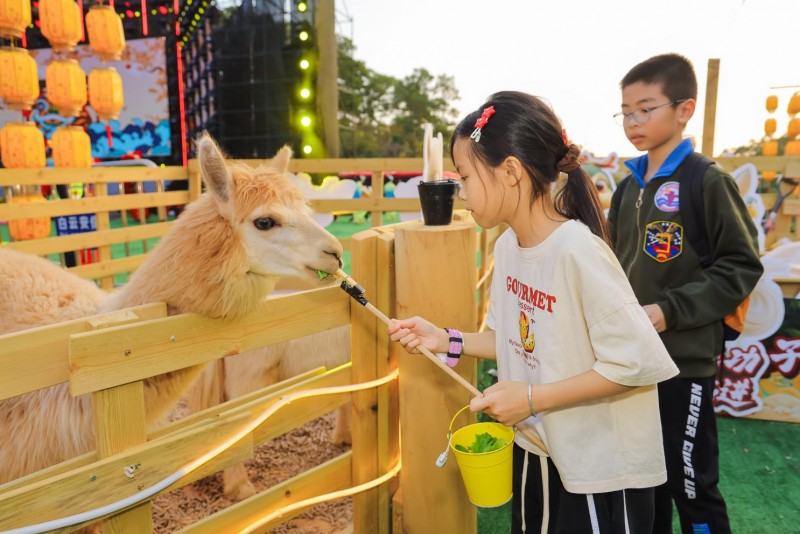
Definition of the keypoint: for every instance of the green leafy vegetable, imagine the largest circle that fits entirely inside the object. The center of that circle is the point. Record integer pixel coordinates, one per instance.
(322, 274)
(483, 443)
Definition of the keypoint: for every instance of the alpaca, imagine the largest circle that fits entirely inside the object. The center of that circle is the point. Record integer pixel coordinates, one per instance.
(221, 258)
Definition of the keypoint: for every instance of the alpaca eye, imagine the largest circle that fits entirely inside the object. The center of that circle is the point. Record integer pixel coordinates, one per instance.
(264, 223)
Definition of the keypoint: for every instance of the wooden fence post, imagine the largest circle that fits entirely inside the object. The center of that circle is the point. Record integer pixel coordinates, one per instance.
(119, 420)
(436, 279)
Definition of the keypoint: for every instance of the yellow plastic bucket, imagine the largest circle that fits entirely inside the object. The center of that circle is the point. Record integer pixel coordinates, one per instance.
(487, 476)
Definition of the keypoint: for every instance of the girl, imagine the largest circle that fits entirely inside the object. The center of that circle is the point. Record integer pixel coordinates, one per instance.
(577, 357)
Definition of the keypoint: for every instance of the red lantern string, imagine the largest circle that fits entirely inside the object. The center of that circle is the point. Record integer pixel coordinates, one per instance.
(109, 136)
(83, 26)
(144, 17)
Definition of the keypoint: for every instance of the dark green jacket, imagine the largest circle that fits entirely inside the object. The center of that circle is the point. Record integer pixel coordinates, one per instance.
(663, 269)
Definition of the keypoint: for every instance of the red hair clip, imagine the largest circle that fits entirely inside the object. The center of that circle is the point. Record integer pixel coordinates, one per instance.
(481, 122)
(564, 137)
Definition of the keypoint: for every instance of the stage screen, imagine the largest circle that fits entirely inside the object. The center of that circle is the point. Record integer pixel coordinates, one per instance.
(142, 128)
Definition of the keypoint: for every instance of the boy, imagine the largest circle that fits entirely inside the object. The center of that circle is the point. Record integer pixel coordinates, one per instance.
(684, 301)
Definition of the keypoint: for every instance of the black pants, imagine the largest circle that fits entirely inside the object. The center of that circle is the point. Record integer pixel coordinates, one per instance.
(616, 512)
(691, 449)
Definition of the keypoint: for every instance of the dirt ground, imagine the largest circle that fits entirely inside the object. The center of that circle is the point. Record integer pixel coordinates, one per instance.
(274, 462)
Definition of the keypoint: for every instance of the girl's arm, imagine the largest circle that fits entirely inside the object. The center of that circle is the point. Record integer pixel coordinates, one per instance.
(507, 402)
(417, 331)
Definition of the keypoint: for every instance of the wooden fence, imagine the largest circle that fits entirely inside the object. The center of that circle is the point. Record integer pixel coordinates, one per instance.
(109, 356)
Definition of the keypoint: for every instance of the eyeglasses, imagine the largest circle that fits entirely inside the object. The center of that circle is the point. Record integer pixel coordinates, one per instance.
(641, 115)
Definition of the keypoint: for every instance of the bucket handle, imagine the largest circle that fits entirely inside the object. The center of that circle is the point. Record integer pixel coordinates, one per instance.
(453, 420)
(442, 459)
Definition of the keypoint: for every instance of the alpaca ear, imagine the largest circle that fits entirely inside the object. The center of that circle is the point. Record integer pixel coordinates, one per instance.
(215, 173)
(281, 160)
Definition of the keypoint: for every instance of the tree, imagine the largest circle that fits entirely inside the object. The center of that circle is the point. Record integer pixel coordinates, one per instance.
(382, 116)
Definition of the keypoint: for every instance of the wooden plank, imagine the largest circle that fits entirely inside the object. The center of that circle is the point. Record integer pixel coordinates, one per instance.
(434, 503)
(118, 355)
(333, 475)
(371, 204)
(288, 417)
(366, 165)
(792, 169)
(52, 175)
(52, 245)
(102, 203)
(710, 115)
(213, 412)
(119, 422)
(103, 223)
(776, 163)
(105, 481)
(38, 358)
(109, 268)
(363, 343)
(388, 415)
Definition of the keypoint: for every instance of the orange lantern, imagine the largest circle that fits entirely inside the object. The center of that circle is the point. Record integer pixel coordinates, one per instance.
(71, 147)
(66, 86)
(61, 23)
(22, 146)
(772, 103)
(794, 128)
(794, 104)
(105, 32)
(769, 148)
(105, 92)
(770, 126)
(15, 16)
(19, 85)
(768, 176)
(792, 148)
(30, 228)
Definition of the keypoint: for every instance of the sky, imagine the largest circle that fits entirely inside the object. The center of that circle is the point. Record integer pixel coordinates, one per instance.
(574, 53)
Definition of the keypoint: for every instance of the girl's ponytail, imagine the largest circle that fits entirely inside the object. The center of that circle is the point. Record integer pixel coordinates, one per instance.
(578, 198)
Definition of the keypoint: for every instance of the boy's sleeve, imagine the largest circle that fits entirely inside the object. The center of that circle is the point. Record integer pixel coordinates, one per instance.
(736, 267)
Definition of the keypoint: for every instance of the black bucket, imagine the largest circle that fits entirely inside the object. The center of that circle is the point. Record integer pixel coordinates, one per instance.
(436, 199)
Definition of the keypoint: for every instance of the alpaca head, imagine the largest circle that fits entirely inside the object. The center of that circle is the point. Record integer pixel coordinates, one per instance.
(270, 215)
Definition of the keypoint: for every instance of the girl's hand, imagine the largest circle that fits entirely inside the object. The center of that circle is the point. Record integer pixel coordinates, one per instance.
(416, 331)
(506, 402)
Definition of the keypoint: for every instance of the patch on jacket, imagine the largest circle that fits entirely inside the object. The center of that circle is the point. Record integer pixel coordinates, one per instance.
(667, 198)
(663, 240)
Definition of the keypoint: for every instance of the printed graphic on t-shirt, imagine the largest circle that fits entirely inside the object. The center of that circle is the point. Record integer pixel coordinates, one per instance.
(526, 332)
(667, 197)
(663, 240)
(529, 302)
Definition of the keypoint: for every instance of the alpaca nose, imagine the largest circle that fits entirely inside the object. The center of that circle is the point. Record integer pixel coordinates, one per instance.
(335, 255)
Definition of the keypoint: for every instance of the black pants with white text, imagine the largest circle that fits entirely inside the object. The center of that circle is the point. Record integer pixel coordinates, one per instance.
(542, 505)
(691, 449)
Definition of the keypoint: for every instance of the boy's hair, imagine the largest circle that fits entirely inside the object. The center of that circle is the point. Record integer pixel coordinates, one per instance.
(673, 72)
(525, 127)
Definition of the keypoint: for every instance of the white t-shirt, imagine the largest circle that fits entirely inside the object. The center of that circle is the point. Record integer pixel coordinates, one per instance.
(560, 309)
